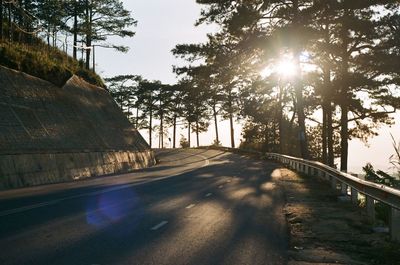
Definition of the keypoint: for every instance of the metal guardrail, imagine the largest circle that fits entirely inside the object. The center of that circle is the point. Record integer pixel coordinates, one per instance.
(373, 192)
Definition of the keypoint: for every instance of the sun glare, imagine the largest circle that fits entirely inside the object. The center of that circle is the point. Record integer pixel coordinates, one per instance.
(286, 68)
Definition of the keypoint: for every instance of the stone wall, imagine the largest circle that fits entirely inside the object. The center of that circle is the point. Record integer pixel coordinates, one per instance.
(50, 134)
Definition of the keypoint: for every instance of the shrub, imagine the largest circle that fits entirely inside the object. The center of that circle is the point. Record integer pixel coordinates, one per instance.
(184, 142)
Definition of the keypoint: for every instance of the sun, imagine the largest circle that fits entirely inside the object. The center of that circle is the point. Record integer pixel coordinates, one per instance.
(286, 68)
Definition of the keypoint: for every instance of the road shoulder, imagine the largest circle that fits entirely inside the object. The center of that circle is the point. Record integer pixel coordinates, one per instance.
(324, 230)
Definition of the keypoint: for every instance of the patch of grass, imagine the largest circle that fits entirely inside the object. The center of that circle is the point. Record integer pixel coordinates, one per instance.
(45, 62)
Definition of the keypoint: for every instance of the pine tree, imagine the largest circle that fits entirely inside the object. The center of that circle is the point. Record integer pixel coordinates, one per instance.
(103, 19)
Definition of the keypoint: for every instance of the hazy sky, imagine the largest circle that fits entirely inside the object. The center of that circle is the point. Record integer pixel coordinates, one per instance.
(161, 25)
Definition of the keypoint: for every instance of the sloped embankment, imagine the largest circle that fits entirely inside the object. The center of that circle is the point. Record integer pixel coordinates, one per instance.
(50, 134)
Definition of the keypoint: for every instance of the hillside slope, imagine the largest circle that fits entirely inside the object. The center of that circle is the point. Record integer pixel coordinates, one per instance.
(45, 62)
(70, 132)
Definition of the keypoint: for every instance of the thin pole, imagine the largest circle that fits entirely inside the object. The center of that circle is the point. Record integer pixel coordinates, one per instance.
(94, 60)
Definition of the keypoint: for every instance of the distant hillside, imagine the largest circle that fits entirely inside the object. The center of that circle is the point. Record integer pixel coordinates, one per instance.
(45, 62)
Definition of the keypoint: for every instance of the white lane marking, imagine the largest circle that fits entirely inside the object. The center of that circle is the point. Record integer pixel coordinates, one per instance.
(229, 181)
(52, 202)
(156, 227)
(220, 187)
(208, 194)
(190, 206)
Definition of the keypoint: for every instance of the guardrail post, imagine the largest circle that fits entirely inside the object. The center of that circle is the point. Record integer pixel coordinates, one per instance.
(370, 207)
(343, 188)
(320, 174)
(354, 196)
(395, 224)
(333, 182)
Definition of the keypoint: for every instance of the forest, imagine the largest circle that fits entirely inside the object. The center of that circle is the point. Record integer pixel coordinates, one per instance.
(303, 77)
(54, 39)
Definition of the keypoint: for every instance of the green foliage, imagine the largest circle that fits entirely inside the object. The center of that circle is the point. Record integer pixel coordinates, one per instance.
(315, 142)
(380, 177)
(395, 158)
(184, 143)
(90, 76)
(353, 46)
(44, 62)
(216, 143)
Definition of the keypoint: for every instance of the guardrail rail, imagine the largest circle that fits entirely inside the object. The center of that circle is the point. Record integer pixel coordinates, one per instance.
(373, 192)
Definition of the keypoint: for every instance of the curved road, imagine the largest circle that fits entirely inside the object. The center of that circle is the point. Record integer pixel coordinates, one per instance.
(194, 207)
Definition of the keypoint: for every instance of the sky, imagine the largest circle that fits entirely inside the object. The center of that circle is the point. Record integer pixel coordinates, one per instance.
(163, 24)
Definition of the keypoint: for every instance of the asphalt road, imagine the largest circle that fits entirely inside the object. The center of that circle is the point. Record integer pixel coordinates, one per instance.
(194, 207)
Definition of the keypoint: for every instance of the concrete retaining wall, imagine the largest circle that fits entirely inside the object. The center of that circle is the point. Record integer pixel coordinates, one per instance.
(22, 170)
(50, 134)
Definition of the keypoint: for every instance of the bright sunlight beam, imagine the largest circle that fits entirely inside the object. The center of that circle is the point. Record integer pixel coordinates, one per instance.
(286, 68)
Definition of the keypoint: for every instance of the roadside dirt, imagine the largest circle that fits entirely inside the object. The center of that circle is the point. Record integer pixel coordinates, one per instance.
(325, 230)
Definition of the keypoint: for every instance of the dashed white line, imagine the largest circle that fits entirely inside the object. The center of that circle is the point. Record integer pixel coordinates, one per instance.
(220, 187)
(208, 194)
(158, 226)
(190, 206)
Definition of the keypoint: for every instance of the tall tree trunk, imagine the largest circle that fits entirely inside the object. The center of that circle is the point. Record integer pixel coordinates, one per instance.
(54, 37)
(232, 130)
(344, 135)
(88, 32)
(326, 101)
(328, 155)
(324, 133)
(301, 117)
(174, 134)
(299, 90)
(329, 125)
(10, 27)
(82, 53)
(189, 133)
(216, 123)
(280, 120)
(159, 140)
(162, 130)
(325, 113)
(1, 20)
(231, 119)
(197, 133)
(150, 127)
(75, 31)
(344, 96)
(48, 36)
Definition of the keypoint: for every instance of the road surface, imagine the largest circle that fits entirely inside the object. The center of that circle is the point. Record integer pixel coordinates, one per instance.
(194, 207)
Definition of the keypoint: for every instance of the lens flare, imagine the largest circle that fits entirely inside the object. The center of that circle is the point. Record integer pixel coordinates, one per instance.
(119, 207)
